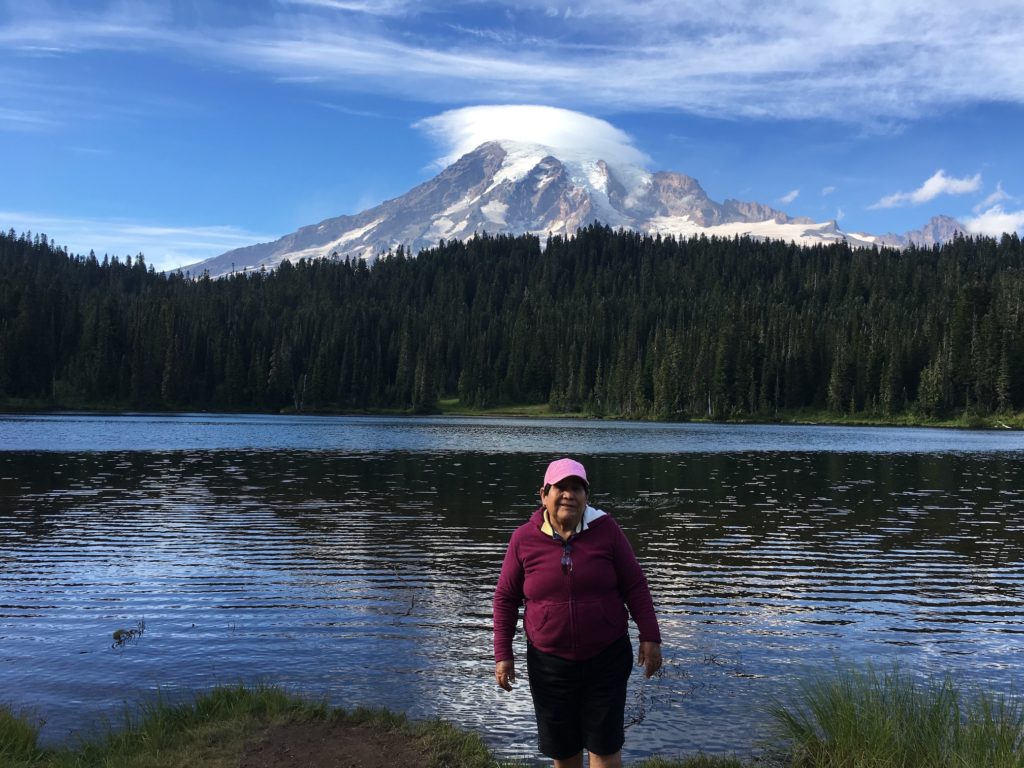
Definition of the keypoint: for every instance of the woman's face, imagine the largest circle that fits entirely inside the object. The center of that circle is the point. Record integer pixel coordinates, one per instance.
(565, 502)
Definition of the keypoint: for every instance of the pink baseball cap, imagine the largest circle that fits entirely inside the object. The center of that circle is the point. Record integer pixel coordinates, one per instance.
(563, 468)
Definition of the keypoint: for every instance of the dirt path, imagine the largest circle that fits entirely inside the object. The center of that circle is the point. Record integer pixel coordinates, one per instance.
(330, 745)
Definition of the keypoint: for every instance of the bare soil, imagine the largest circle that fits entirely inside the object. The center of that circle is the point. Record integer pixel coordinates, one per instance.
(330, 745)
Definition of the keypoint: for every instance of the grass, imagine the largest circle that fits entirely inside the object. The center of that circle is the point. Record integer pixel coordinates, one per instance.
(964, 420)
(212, 731)
(870, 719)
(18, 738)
(452, 407)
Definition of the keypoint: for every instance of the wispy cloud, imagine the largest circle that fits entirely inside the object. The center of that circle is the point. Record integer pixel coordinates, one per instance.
(53, 95)
(752, 60)
(997, 196)
(19, 119)
(789, 197)
(369, 7)
(164, 247)
(94, 151)
(938, 184)
(826, 191)
(341, 108)
(995, 221)
(50, 30)
(738, 58)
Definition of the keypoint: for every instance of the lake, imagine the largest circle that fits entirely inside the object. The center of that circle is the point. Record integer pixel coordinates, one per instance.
(354, 558)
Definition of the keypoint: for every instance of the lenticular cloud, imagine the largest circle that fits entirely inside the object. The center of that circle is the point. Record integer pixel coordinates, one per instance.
(570, 135)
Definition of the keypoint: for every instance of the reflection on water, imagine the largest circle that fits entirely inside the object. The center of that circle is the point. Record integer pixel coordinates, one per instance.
(366, 576)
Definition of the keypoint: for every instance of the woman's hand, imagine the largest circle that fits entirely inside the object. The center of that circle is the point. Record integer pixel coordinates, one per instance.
(505, 673)
(649, 657)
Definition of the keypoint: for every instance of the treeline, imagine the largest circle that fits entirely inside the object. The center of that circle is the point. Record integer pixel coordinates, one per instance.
(609, 322)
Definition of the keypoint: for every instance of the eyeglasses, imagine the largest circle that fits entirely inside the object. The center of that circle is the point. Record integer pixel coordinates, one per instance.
(566, 557)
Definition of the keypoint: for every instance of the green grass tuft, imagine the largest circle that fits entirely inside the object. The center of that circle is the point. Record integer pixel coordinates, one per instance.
(446, 745)
(210, 730)
(18, 738)
(868, 719)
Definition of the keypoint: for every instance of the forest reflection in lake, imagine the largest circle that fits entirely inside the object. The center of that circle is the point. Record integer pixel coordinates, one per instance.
(366, 575)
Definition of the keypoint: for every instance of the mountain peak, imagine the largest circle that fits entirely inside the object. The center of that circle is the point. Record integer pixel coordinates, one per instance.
(938, 230)
(519, 187)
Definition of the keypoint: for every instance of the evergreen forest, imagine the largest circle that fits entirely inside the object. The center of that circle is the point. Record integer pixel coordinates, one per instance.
(608, 323)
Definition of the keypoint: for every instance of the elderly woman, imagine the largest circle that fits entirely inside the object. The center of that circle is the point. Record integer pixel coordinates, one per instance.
(576, 573)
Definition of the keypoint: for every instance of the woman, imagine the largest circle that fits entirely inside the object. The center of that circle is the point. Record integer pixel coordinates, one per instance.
(576, 573)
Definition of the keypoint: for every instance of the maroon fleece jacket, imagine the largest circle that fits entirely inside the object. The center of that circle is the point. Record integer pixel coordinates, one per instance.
(572, 613)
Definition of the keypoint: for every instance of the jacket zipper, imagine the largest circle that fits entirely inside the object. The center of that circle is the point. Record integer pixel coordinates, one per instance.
(572, 605)
(572, 613)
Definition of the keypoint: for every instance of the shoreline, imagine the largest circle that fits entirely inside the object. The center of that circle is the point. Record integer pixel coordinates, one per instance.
(800, 417)
(859, 718)
(264, 726)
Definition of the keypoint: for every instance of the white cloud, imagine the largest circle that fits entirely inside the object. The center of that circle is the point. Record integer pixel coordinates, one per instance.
(826, 191)
(995, 221)
(938, 184)
(790, 196)
(163, 247)
(840, 214)
(569, 134)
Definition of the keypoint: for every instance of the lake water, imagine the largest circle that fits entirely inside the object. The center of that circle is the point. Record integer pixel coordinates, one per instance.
(355, 558)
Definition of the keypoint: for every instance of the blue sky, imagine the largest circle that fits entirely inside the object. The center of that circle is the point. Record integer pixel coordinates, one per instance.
(181, 129)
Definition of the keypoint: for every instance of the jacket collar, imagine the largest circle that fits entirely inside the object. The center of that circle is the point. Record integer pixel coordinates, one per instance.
(589, 516)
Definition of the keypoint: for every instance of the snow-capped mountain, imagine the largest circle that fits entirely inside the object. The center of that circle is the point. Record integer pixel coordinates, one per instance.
(516, 187)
